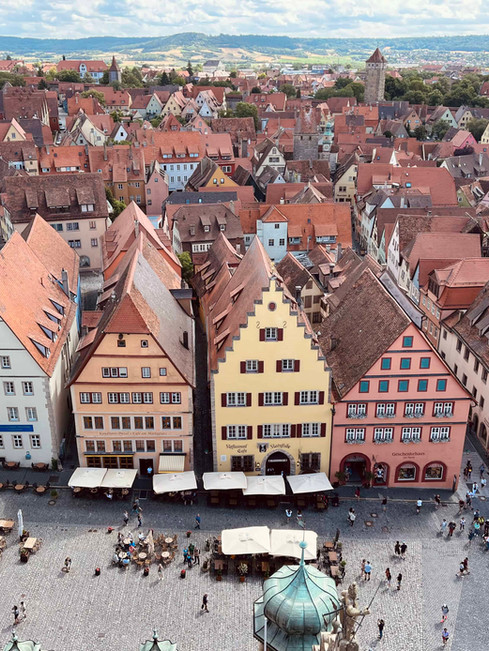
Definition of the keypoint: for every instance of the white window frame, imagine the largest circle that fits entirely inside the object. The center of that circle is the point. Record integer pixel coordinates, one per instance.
(17, 441)
(147, 397)
(165, 398)
(145, 371)
(35, 441)
(31, 414)
(288, 365)
(124, 398)
(273, 398)
(443, 409)
(176, 398)
(5, 361)
(84, 397)
(113, 398)
(309, 397)
(236, 399)
(439, 434)
(383, 434)
(357, 410)
(276, 430)
(252, 366)
(385, 409)
(271, 334)
(310, 430)
(355, 435)
(411, 435)
(236, 432)
(13, 414)
(9, 388)
(415, 409)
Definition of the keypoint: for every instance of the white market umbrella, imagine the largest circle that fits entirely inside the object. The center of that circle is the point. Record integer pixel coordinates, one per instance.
(20, 522)
(222, 481)
(285, 542)
(247, 540)
(313, 483)
(175, 482)
(87, 478)
(119, 478)
(265, 485)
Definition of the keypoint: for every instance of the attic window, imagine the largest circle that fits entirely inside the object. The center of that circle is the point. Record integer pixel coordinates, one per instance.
(44, 350)
(59, 307)
(52, 317)
(49, 333)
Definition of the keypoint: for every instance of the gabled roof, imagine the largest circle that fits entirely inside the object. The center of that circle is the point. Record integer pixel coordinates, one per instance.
(376, 57)
(441, 246)
(294, 274)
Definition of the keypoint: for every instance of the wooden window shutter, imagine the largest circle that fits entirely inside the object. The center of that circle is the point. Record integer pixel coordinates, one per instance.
(249, 432)
(224, 433)
(280, 334)
(293, 431)
(323, 429)
(262, 334)
(260, 367)
(297, 365)
(224, 400)
(297, 398)
(299, 431)
(248, 399)
(321, 397)
(242, 367)
(260, 431)
(279, 366)
(285, 398)
(260, 399)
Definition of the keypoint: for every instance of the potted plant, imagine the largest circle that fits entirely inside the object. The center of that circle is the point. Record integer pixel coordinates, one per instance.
(205, 566)
(189, 534)
(24, 555)
(218, 575)
(242, 571)
(367, 479)
(340, 476)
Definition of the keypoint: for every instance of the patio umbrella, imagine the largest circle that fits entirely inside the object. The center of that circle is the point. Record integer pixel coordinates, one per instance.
(118, 478)
(20, 521)
(313, 483)
(285, 542)
(221, 481)
(247, 540)
(263, 485)
(87, 478)
(175, 482)
(151, 543)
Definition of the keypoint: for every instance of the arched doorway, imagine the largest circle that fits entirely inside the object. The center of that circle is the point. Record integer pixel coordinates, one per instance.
(475, 423)
(355, 466)
(277, 463)
(483, 433)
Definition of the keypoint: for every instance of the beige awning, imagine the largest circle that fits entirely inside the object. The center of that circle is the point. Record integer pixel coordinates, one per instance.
(248, 540)
(171, 463)
(265, 485)
(285, 542)
(173, 483)
(313, 483)
(119, 478)
(87, 477)
(222, 481)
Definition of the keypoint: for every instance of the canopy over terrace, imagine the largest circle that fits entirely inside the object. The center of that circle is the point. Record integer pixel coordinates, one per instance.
(265, 485)
(248, 540)
(222, 481)
(313, 483)
(119, 478)
(175, 482)
(87, 477)
(285, 542)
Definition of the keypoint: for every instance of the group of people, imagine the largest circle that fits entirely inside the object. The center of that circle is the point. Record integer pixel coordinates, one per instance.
(191, 556)
(19, 615)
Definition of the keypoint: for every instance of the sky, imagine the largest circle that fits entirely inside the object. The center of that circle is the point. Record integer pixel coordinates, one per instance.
(314, 18)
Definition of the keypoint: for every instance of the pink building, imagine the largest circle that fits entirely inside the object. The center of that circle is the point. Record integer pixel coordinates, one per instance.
(156, 193)
(400, 413)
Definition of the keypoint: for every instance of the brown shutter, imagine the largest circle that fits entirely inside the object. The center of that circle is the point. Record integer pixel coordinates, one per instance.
(285, 398)
(249, 433)
(297, 398)
(297, 365)
(279, 366)
(321, 397)
(224, 433)
(262, 334)
(299, 431)
(248, 399)
(242, 367)
(293, 431)
(260, 431)
(260, 399)
(280, 334)
(260, 367)
(323, 429)
(224, 400)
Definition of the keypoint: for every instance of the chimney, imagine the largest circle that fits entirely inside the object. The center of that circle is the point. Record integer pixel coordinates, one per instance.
(64, 282)
(282, 200)
(136, 228)
(333, 343)
(231, 207)
(47, 150)
(76, 98)
(481, 156)
(331, 268)
(338, 251)
(244, 149)
(105, 151)
(185, 339)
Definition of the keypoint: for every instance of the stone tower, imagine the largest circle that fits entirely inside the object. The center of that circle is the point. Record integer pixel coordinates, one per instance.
(306, 135)
(375, 79)
(114, 72)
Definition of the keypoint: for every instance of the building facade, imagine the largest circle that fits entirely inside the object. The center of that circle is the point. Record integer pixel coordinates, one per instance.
(375, 78)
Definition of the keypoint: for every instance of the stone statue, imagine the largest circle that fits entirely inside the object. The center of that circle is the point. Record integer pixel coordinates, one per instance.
(348, 617)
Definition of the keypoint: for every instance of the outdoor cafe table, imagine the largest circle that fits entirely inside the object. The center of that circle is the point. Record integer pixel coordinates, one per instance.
(6, 525)
(30, 544)
(126, 541)
(333, 557)
(142, 556)
(11, 464)
(168, 541)
(165, 554)
(41, 489)
(41, 466)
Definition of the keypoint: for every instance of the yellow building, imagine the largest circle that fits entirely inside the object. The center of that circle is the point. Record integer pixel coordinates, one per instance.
(133, 381)
(269, 383)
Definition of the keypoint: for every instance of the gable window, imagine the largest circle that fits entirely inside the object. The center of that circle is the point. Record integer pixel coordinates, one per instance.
(422, 385)
(405, 362)
(364, 386)
(424, 362)
(5, 360)
(403, 386)
(441, 385)
(385, 364)
(355, 435)
(383, 386)
(407, 342)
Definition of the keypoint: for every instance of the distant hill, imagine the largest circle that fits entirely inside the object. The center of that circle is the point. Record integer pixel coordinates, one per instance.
(202, 46)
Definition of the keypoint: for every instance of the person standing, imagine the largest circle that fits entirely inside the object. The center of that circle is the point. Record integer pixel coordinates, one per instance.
(403, 550)
(381, 624)
(368, 571)
(135, 505)
(67, 566)
(443, 526)
(397, 548)
(362, 567)
(444, 636)
(483, 483)
(160, 571)
(444, 613)
(451, 528)
(462, 524)
(140, 521)
(388, 577)
(384, 504)
(357, 493)
(437, 501)
(482, 470)
(205, 602)
(196, 556)
(23, 610)
(125, 517)
(15, 612)
(351, 517)
(197, 521)
(399, 580)
(466, 565)
(419, 504)
(288, 514)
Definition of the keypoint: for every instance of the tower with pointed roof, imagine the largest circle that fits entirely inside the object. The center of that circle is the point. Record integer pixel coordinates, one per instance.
(114, 72)
(375, 79)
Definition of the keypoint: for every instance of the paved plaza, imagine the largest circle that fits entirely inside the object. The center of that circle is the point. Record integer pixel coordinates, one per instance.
(119, 609)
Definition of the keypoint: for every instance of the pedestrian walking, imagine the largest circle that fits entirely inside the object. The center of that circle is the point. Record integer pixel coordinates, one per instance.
(443, 526)
(67, 565)
(469, 472)
(444, 636)
(471, 536)
(403, 550)
(189, 561)
(380, 624)
(205, 602)
(462, 524)
(419, 504)
(437, 501)
(468, 500)
(451, 528)
(140, 521)
(399, 580)
(288, 514)
(300, 520)
(185, 554)
(135, 505)
(15, 612)
(388, 577)
(351, 517)
(362, 568)
(160, 571)
(466, 565)
(477, 528)
(23, 610)
(444, 613)
(482, 470)
(461, 506)
(384, 504)
(475, 487)
(483, 483)
(368, 571)
(125, 517)
(196, 556)
(397, 548)
(197, 521)
(357, 493)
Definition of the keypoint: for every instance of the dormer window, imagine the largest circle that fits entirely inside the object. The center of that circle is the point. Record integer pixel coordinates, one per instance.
(59, 307)
(49, 333)
(44, 350)
(207, 229)
(222, 227)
